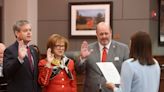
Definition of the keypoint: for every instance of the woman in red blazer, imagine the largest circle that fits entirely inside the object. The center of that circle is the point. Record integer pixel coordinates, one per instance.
(56, 72)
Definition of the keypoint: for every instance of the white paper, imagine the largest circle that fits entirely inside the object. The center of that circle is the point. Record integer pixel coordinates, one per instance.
(109, 71)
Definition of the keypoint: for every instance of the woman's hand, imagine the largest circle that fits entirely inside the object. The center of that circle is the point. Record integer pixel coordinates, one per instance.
(50, 57)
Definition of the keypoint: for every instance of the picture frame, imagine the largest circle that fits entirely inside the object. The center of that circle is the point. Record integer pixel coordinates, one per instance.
(84, 16)
(161, 23)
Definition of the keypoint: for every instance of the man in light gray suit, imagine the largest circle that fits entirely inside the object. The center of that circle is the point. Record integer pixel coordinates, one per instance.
(91, 54)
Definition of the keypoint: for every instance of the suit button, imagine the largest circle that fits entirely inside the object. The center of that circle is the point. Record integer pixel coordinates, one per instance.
(61, 72)
(62, 79)
(62, 86)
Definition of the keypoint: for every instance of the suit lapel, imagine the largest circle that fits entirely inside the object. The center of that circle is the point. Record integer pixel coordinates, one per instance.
(94, 58)
(97, 53)
(111, 52)
(27, 64)
(35, 59)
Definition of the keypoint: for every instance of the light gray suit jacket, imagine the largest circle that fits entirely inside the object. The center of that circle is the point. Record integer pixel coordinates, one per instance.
(118, 52)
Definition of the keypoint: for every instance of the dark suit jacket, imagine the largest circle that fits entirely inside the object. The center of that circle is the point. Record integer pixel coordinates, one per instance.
(19, 76)
(117, 53)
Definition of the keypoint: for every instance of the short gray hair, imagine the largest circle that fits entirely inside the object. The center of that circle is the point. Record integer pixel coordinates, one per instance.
(18, 24)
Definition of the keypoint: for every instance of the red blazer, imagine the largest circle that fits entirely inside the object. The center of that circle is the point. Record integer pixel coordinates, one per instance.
(61, 82)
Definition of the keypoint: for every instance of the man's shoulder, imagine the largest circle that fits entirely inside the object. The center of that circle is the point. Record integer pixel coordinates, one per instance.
(13, 45)
(119, 43)
(93, 44)
(11, 48)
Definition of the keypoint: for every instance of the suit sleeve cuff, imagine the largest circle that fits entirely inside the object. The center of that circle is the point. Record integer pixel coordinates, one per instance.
(82, 60)
(20, 60)
(115, 89)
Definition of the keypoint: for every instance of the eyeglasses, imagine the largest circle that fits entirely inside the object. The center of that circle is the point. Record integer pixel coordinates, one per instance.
(59, 46)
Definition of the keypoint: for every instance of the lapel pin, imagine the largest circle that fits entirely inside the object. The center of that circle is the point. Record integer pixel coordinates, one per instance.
(116, 58)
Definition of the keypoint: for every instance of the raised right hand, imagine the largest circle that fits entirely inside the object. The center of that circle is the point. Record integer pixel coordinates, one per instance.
(84, 52)
(22, 50)
(50, 55)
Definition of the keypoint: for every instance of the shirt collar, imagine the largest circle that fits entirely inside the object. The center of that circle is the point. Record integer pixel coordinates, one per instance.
(25, 44)
(107, 46)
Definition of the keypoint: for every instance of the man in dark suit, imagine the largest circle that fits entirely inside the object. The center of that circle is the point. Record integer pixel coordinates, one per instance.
(20, 61)
(91, 54)
(3, 83)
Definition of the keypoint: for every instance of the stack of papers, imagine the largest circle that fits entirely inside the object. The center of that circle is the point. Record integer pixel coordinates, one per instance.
(110, 72)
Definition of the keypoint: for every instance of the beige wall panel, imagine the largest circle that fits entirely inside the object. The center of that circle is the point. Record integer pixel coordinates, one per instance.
(58, 9)
(129, 16)
(53, 9)
(26, 9)
(1, 2)
(125, 28)
(135, 9)
(117, 9)
(75, 44)
(47, 28)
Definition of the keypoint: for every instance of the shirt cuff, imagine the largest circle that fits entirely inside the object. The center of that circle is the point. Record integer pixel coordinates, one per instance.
(82, 60)
(20, 60)
(115, 89)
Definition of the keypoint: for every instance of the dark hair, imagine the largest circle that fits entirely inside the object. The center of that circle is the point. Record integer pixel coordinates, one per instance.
(141, 48)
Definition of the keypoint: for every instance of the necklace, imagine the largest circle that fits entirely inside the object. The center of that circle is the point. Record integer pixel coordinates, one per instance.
(56, 62)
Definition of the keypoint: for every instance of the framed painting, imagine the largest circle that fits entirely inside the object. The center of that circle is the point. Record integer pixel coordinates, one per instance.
(84, 16)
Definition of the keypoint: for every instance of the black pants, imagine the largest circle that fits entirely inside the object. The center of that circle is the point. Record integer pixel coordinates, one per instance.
(3, 85)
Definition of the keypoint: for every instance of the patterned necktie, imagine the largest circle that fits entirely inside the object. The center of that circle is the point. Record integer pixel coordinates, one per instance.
(30, 58)
(104, 54)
